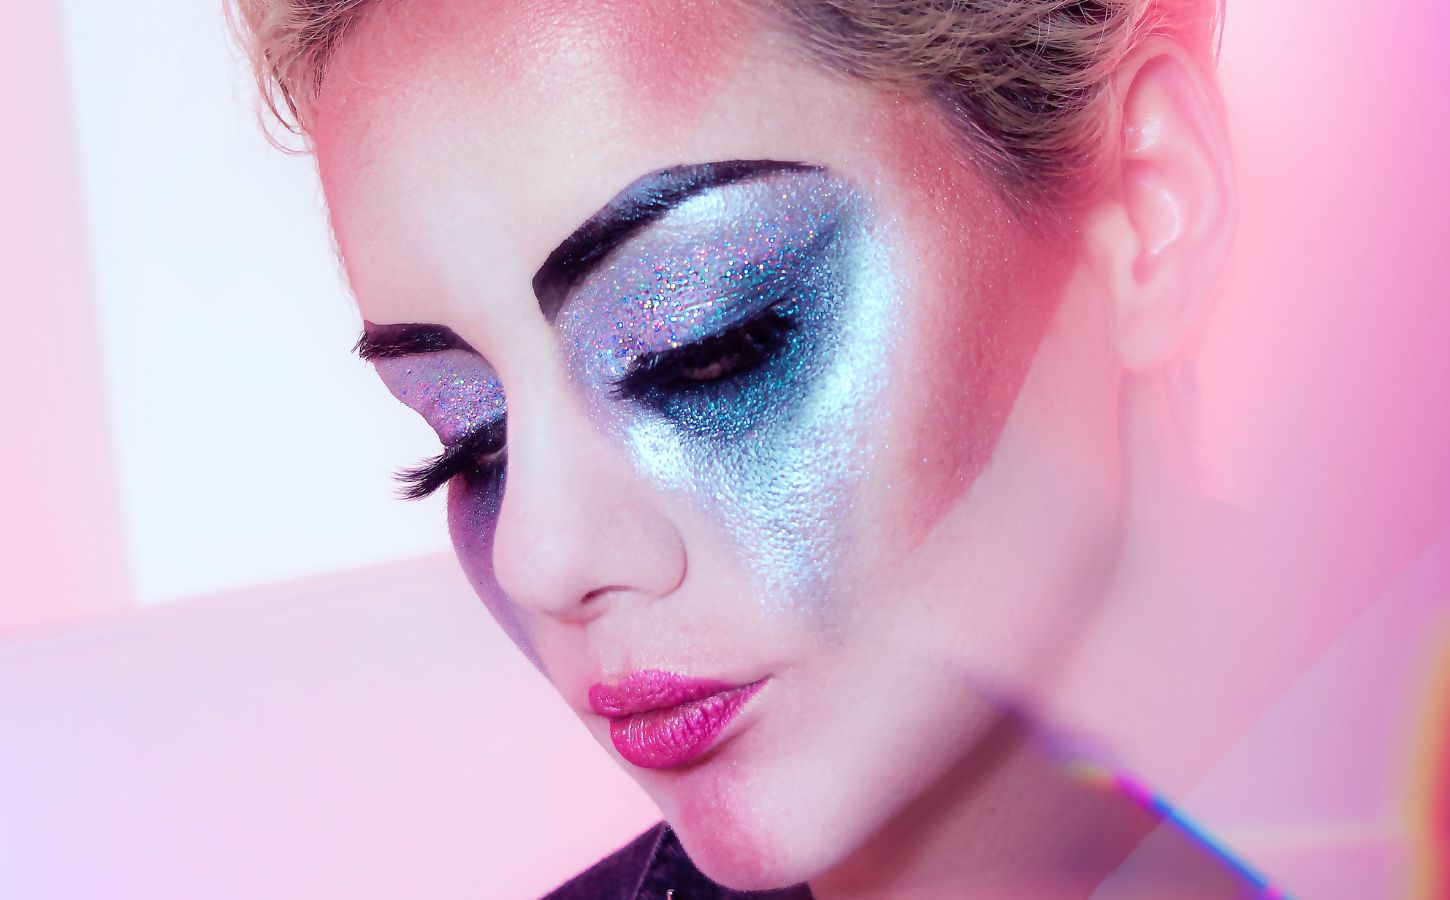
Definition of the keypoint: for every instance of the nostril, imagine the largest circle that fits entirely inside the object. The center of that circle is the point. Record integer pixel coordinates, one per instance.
(595, 593)
(599, 594)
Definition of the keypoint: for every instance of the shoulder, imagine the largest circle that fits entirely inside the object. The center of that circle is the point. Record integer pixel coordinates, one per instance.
(655, 866)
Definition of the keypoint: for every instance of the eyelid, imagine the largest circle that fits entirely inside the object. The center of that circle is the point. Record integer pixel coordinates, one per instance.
(455, 391)
(677, 234)
(666, 361)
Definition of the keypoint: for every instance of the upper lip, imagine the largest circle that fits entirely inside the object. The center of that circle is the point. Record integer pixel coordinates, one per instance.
(645, 689)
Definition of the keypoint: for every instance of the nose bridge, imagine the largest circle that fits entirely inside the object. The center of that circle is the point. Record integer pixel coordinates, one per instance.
(579, 529)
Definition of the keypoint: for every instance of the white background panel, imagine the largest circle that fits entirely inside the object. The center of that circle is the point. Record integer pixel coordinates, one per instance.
(250, 446)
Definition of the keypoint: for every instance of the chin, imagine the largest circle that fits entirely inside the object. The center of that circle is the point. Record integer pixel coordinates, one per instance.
(754, 860)
(773, 829)
(801, 793)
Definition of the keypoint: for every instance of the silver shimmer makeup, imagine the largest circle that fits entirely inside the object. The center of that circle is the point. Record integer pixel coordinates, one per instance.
(738, 348)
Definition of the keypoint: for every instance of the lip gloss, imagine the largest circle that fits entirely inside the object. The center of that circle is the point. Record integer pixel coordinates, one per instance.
(660, 719)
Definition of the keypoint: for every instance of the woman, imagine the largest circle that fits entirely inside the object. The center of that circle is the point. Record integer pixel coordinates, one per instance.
(799, 372)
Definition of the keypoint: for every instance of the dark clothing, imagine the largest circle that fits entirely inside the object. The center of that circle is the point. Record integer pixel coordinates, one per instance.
(654, 866)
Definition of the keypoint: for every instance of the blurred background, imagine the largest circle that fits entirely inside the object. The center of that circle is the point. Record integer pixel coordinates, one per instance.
(232, 664)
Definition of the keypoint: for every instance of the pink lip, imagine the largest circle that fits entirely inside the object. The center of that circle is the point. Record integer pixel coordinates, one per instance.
(661, 719)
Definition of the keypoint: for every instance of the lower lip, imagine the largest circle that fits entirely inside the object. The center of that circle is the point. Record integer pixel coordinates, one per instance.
(663, 738)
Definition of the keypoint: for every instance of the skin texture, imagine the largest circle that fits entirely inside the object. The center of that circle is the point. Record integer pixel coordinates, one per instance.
(954, 565)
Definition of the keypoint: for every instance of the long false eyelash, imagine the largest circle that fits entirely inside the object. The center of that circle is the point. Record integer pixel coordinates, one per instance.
(742, 348)
(422, 480)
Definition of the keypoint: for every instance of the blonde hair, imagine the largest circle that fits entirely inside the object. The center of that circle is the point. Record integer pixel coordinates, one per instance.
(1026, 82)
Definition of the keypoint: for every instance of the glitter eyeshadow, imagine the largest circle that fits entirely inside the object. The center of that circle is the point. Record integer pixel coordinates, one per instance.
(774, 453)
(454, 391)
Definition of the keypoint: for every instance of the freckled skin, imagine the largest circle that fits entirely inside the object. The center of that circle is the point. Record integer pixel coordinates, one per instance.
(457, 151)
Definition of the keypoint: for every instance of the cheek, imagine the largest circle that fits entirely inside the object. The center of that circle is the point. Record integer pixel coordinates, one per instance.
(983, 291)
(779, 463)
(775, 455)
(972, 342)
(472, 522)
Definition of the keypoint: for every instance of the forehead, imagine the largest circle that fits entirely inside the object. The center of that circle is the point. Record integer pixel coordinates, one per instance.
(460, 141)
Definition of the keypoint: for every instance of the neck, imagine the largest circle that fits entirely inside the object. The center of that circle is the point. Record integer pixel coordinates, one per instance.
(989, 827)
(1013, 820)
(1171, 613)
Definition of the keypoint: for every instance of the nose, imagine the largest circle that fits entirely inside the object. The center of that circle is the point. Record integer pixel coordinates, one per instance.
(580, 530)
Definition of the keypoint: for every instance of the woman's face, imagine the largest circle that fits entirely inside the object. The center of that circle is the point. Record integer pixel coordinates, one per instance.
(808, 444)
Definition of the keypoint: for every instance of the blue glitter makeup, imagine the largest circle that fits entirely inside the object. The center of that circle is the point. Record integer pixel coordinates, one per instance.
(772, 449)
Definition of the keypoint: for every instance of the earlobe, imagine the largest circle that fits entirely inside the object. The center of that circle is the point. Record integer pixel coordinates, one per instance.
(1161, 235)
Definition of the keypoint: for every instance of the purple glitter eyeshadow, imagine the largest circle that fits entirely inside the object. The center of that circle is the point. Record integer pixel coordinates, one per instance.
(453, 390)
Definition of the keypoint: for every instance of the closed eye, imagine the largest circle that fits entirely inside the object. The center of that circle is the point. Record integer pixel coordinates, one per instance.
(479, 455)
(733, 352)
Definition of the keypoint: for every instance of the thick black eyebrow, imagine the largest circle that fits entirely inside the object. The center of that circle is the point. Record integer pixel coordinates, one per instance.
(643, 201)
(389, 341)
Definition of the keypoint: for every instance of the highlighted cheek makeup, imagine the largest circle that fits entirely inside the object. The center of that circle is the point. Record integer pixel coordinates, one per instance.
(739, 348)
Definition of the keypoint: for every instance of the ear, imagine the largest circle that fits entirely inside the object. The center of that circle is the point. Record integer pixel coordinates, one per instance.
(1160, 235)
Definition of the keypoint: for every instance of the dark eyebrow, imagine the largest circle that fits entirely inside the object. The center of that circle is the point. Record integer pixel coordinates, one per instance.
(389, 341)
(643, 201)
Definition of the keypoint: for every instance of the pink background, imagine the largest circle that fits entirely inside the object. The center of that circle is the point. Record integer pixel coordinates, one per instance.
(231, 665)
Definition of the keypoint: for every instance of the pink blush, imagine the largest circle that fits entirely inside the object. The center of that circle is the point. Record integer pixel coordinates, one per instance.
(672, 53)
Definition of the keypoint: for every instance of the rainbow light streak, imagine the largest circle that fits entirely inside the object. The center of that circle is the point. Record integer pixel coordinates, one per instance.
(1429, 792)
(1101, 777)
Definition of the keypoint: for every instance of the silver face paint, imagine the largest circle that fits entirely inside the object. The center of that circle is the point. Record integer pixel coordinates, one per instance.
(773, 453)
